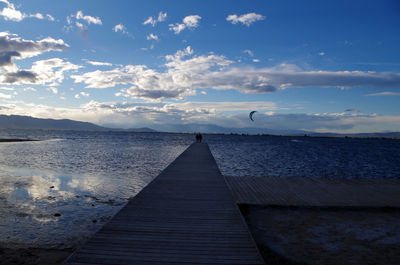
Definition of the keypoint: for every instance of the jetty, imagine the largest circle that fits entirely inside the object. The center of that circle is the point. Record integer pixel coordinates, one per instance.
(186, 215)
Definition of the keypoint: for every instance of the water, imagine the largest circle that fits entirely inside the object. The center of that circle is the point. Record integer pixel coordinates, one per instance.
(264, 156)
(86, 177)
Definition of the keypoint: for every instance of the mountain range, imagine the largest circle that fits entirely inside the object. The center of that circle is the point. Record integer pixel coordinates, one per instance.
(27, 122)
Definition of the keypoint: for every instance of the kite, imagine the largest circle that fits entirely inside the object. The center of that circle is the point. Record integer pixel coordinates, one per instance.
(251, 115)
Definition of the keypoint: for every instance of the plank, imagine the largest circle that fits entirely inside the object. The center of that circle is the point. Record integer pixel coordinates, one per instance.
(186, 215)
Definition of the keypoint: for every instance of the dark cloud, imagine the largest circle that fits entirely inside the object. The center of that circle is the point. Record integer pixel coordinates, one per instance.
(5, 57)
(20, 76)
(352, 110)
(10, 45)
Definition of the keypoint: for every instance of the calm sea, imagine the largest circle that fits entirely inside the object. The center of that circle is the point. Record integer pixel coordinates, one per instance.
(58, 191)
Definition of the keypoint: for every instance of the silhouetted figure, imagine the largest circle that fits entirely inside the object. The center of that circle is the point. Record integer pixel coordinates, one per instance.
(199, 137)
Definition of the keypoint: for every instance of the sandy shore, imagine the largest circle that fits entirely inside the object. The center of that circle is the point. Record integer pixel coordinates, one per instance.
(33, 256)
(312, 235)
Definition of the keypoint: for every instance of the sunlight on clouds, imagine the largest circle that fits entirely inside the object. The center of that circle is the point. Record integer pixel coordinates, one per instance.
(121, 28)
(153, 21)
(189, 22)
(11, 13)
(187, 72)
(245, 19)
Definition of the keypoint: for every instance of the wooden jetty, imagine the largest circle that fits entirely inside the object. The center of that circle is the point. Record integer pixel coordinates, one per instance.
(320, 192)
(186, 215)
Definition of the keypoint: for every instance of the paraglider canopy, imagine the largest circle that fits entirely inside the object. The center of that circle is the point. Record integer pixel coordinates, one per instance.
(251, 115)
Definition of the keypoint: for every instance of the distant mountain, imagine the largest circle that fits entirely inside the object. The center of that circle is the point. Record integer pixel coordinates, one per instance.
(211, 128)
(143, 129)
(26, 122)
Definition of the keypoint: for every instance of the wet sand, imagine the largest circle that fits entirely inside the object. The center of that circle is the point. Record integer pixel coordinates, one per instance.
(313, 235)
(33, 256)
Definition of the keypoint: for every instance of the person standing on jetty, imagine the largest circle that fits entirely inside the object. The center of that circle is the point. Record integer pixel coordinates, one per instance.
(199, 137)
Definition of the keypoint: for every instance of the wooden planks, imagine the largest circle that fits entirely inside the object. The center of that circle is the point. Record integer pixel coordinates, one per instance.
(184, 216)
(322, 192)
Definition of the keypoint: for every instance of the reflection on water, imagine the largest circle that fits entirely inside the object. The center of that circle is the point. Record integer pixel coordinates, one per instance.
(57, 192)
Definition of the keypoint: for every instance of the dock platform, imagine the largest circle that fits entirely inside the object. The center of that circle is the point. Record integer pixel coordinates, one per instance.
(186, 215)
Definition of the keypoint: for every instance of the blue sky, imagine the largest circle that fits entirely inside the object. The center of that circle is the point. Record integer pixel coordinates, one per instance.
(325, 66)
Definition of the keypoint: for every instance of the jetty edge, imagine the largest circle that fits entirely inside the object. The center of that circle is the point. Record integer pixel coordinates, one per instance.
(185, 215)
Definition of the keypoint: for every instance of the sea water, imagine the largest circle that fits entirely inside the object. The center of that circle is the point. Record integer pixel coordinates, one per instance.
(58, 191)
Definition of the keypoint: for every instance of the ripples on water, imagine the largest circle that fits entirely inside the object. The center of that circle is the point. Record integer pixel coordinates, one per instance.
(84, 176)
(265, 156)
(88, 176)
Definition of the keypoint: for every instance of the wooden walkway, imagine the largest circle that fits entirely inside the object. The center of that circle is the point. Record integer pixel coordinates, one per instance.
(184, 216)
(321, 192)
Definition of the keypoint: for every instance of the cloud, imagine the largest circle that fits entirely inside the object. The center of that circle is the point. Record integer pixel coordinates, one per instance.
(156, 114)
(256, 60)
(54, 90)
(21, 76)
(14, 47)
(5, 57)
(189, 22)
(89, 19)
(245, 19)
(84, 94)
(384, 94)
(152, 36)
(186, 72)
(321, 53)
(48, 72)
(11, 13)
(120, 27)
(249, 52)
(153, 21)
(98, 63)
(78, 19)
(5, 96)
(352, 110)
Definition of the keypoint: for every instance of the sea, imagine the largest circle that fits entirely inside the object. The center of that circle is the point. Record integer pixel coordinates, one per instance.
(58, 191)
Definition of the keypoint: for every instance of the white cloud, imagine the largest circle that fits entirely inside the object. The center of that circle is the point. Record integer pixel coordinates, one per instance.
(11, 13)
(321, 53)
(99, 63)
(386, 93)
(7, 88)
(81, 21)
(256, 60)
(249, 52)
(84, 94)
(48, 72)
(153, 21)
(29, 89)
(189, 22)
(245, 19)
(53, 89)
(120, 27)
(5, 96)
(152, 36)
(185, 73)
(89, 19)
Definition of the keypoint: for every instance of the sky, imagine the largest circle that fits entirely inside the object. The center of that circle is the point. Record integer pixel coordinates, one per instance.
(323, 66)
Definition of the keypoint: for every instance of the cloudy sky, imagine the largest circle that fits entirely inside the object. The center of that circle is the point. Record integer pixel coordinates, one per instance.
(302, 65)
